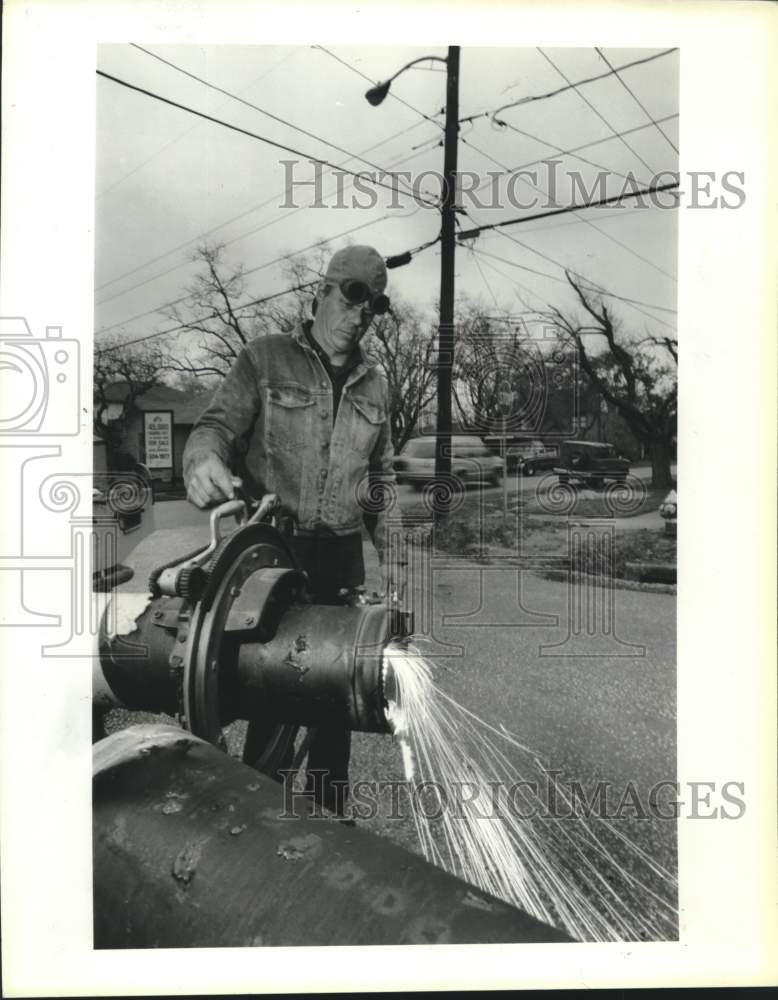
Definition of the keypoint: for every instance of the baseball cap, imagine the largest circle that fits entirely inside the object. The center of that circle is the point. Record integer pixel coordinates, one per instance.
(360, 263)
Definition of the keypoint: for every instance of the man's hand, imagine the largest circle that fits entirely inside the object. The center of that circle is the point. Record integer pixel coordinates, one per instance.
(210, 482)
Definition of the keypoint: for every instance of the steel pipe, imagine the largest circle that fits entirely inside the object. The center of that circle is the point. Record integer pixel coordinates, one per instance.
(318, 663)
(191, 850)
(243, 639)
(324, 664)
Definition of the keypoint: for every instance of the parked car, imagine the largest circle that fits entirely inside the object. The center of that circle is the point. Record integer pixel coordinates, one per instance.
(519, 452)
(590, 463)
(536, 458)
(471, 462)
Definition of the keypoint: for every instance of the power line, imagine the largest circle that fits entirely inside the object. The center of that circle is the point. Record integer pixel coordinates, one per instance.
(588, 222)
(186, 132)
(373, 83)
(613, 200)
(581, 277)
(634, 96)
(599, 288)
(554, 277)
(240, 236)
(259, 267)
(602, 117)
(247, 132)
(199, 319)
(619, 198)
(595, 142)
(569, 86)
(237, 218)
(512, 280)
(575, 149)
(576, 221)
(247, 305)
(263, 111)
(559, 150)
(483, 278)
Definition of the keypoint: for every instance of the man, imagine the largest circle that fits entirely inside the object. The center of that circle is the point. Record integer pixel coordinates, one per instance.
(306, 416)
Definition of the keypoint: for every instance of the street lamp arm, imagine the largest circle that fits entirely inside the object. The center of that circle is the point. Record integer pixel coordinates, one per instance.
(414, 62)
(377, 93)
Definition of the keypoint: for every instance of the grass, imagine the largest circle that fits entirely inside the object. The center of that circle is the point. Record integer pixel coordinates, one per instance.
(477, 529)
(600, 503)
(631, 546)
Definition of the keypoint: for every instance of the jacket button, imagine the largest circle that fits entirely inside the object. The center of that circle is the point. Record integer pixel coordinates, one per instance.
(323, 414)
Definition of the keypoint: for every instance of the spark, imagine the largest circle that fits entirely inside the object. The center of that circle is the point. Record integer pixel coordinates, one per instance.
(491, 826)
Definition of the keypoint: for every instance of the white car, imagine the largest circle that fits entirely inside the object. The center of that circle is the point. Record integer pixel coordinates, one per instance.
(471, 462)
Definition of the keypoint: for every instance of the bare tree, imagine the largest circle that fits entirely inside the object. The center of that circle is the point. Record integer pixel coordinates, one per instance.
(403, 341)
(225, 316)
(507, 380)
(122, 375)
(214, 312)
(636, 377)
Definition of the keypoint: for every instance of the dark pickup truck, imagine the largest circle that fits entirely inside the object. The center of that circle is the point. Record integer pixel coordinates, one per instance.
(590, 463)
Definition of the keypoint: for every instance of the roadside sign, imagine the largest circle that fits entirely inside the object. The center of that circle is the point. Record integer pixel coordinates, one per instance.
(158, 438)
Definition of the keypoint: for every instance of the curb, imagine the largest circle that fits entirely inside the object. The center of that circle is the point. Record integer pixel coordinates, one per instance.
(611, 582)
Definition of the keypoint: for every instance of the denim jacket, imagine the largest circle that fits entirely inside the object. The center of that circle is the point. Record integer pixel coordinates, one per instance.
(271, 422)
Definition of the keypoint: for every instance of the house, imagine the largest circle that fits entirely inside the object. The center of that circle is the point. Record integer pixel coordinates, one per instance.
(185, 407)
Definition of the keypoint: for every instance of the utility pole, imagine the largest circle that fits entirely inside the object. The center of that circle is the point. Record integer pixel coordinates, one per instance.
(445, 362)
(447, 249)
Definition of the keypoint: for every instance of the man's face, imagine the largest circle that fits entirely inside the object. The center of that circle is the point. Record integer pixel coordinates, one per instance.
(339, 325)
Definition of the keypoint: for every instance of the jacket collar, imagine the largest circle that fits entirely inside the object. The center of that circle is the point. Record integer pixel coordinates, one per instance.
(364, 361)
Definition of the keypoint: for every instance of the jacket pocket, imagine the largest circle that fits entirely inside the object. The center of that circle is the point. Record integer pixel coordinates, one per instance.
(367, 418)
(288, 418)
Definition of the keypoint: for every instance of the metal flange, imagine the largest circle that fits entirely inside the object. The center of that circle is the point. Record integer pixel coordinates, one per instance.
(250, 550)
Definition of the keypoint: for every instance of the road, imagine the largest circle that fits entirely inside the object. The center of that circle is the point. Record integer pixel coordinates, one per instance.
(524, 484)
(595, 706)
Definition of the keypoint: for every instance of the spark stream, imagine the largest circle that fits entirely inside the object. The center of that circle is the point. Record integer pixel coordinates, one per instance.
(553, 188)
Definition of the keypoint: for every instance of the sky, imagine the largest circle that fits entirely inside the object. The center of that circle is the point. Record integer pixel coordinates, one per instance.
(167, 180)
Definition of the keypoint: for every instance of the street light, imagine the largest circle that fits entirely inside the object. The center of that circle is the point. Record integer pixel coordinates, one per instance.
(376, 94)
(447, 246)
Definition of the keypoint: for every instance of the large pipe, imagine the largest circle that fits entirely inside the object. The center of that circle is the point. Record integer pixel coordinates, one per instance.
(318, 663)
(191, 850)
(233, 635)
(324, 664)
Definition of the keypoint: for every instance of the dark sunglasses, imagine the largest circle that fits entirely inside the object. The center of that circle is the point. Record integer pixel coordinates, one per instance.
(356, 293)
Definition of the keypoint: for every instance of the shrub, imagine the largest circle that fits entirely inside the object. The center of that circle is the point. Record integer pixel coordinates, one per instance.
(631, 546)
